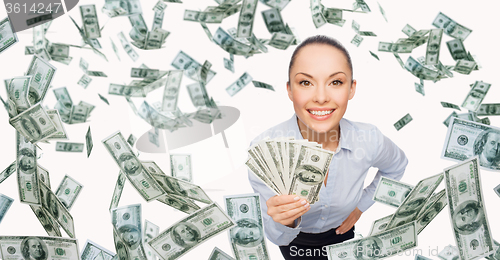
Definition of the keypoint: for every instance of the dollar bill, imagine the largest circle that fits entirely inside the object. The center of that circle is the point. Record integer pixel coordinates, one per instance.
(7, 172)
(69, 147)
(68, 191)
(127, 47)
(395, 47)
(131, 140)
(93, 251)
(382, 11)
(449, 253)
(191, 231)
(117, 193)
(88, 142)
(9, 37)
(5, 203)
(65, 103)
(263, 85)
(78, 114)
(17, 92)
(419, 87)
(127, 91)
(281, 40)
(374, 55)
(43, 74)
(56, 209)
(476, 95)
(128, 227)
(317, 13)
(433, 46)
(150, 231)
(90, 22)
(140, 178)
(105, 100)
(391, 192)
(84, 81)
(34, 124)
(430, 210)
(246, 19)
(449, 105)
(280, 4)
(384, 244)
(357, 40)
(247, 237)
(332, 15)
(182, 204)
(466, 139)
(403, 121)
(379, 225)
(180, 165)
(158, 19)
(14, 247)
(228, 64)
(115, 49)
(171, 92)
(415, 201)
(467, 210)
(145, 73)
(451, 28)
(457, 50)
(182, 61)
(154, 137)
(238, 85)
(180, 188)
(205, 17)
(218, 254)
(159, 6)
(27, 178)
(48, 222)
(272, 19)
(408, 30)
(464, 66)
(489, 110)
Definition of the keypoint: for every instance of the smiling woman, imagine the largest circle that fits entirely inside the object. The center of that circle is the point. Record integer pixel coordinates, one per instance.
(320, 86)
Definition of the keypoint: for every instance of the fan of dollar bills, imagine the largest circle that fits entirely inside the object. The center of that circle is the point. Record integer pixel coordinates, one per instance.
(288, 166)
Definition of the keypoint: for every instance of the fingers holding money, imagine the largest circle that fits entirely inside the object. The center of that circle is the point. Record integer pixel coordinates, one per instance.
(284, 209)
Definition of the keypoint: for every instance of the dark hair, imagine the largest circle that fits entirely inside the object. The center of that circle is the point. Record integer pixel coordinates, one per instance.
(320, 39)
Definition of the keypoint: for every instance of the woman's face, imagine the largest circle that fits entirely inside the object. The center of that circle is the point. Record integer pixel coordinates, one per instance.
(320, 87)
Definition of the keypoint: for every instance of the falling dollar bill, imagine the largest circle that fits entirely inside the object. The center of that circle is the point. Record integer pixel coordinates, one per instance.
(449, 253)
(48, 222)
(238, 85)
(191, 231)
(127, 47)
(117, 193)
(5, 203)
(273, 20)
(317, 14)
(419, 87)
(218, 254)
(433, 46)
(403, 121)
(430, 210)
(489, 110)
(457, 49)
(140, 178)
(381, 245)
(466, 139)
(90, 22)
(391, 192)
(30, 247)
(127, 224)
(476, 95)
(379, 225)
(450, 105)
(43, 74)
(9, 37)
(357, 40)
(246, 19)
(263, 85)
(84, 81)
(150, 231)
(247, 237)
(27, 179)
(182, 61)
(180, 188)
(171, 92)
(68, 191)
(69, 147)
(180, 165)
(91, 250)
(34, 124)
(451, 28)
(56, 209)
(88, 142)
(467, 210)
(8, 171)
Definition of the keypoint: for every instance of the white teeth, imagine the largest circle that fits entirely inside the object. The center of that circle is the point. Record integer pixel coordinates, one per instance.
(320, 113)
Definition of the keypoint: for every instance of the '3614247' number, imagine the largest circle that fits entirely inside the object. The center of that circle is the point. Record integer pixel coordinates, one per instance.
(36, 8)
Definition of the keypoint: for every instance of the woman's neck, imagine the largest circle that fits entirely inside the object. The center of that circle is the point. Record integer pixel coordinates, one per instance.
(328, 140)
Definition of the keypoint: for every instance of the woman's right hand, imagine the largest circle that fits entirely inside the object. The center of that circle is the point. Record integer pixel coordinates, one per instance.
(284, 209)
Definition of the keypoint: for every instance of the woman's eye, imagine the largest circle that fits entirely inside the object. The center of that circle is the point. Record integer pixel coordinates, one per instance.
(305, 83)
(337, 82)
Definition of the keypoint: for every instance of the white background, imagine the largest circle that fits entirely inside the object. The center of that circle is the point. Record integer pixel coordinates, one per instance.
(385, 93)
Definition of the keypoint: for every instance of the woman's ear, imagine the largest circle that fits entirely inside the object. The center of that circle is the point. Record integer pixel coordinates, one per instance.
(352, 90)
(289, 90)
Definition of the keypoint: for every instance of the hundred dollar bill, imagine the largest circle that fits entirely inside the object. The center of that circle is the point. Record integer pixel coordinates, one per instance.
(232, 46)
(27, 178)
(433, 46)
(8, 171)
(489, 110)
(229, 64)
(357, 40)
(88, 141)
(384, 244)
(218, 254)
(68, 191)
(281, 40)
(140, 178)
(415, 201)
(43, 175)
(246, 19)
(127, 223)
(69, 147)
(115, 49)
(449, 253)
(272, 19)
(5, 203)
(238, 85)
(395, 47)
(92, 250)
(30, 247)
(48, 222)
(17, 92)
(171, 92)
(467, 210)
(84, 81)
(379, 225)
(190, 66)
(317, 13)
(131, 140)
(183, 204)
(150, 231)
(496, 255)
(451, 28)
(450, 105)
(117, 193)
(391, 192)
(403, 121)
(144, 73)
(90, 22)
(9, 37)
(409, 30)
(419, 87)
(310, 171)
(247, 237)
(105, 100)
(127, 91)
(430, 210)
(466, 139)
(159, 6)
(476, 95)
(191, 231)
(34, 124)
(56, 119)
(180, 165)
(56, 209)
(183, 189)
(205, 17)
(127, 47)
(43, 73)
(464, 66)
(457, 49)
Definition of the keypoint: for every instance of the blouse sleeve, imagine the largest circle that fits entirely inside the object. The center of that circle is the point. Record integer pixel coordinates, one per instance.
(391, 162)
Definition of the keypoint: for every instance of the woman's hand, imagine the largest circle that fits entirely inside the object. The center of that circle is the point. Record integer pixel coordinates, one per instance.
(284, 209)
(349, 221)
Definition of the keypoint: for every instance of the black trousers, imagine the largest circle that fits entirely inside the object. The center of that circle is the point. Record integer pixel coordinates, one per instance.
(313, 246)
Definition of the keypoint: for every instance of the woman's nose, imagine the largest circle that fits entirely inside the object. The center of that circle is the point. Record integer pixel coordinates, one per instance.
(321, 95)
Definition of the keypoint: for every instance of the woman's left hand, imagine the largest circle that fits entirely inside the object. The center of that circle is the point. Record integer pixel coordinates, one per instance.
(349, 221)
